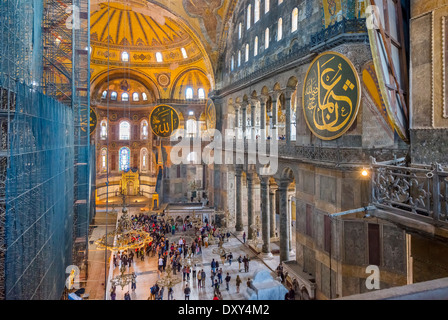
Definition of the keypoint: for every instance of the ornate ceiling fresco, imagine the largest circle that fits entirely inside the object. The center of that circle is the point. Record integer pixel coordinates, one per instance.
(187, 33)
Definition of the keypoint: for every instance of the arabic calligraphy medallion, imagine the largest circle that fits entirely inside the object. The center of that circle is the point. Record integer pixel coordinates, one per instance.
(164, 120)
(331, 95)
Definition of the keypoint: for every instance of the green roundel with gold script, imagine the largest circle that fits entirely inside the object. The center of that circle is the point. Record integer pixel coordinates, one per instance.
(164, 120)
(331, 95)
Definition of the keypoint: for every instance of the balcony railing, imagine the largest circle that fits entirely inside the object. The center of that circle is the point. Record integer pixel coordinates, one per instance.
(416, 191)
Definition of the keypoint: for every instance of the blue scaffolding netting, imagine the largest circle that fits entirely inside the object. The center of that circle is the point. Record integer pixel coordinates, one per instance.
(46, 175)
(39, 197)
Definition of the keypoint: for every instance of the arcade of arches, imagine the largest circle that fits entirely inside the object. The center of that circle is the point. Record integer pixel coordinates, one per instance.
(316, 212)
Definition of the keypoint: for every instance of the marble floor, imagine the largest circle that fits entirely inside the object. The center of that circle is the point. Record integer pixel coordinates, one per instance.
(147, 273)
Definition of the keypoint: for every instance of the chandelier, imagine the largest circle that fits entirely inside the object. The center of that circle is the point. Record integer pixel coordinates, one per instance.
(168, 280)
(124, 237)
(255, 228)
(123, 279)
(190, 260)
(220, 250)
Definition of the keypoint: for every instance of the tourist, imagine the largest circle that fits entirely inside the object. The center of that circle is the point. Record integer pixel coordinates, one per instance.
(239, 263)
(229, 258)
(199, 279)
(228, 277)
(238, 282)
(213, 265)
(127, 296)
(244, 237)
(170, 293)
(249, 282)
(203, 276)
(212, 276)
(113, 294)
(184, 272)
(216, 285)
(220, 275)
(187, 291)
(133, 284)
(246, 264)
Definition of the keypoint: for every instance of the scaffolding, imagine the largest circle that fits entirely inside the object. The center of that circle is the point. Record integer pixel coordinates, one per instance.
(45, 153)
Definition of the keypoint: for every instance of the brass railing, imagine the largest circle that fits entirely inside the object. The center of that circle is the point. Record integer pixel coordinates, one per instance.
(421, 190)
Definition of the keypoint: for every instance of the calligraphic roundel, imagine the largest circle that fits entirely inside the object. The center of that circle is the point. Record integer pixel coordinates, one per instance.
(331, 95)
(164, 120)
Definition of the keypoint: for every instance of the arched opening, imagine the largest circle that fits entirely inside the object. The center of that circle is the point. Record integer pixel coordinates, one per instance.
(125, 130)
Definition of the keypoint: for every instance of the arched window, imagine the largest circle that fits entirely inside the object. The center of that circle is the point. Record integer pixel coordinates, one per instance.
(144, 96)
(125, 96)
(104, 95)
(239, 58)
(201, 93)
(189, 93)
(159, 57)
(249, 14)
(267, 4)
(113, 95)
(103, 131)
(294, 19)
(124, 56)
(256, 46)
(232, 63)
(125, 130)
(192, 157)
(125, 159)
(280, 29)
(257, 11)
(184, 53)
(144, 130)
(191, 127)
(239, 30)
(144, 159)
(104, 159)
(247, 53)
(135, 96)
(280, 2)
(266, 38)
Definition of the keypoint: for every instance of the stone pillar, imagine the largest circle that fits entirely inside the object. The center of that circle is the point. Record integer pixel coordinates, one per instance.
(288, 94)
(284, 220)
(239, 199)
(253, 106)
(265, 215)
(263, 116)
(244, 110)
(250, 206)
(274, 110)
(272, 190)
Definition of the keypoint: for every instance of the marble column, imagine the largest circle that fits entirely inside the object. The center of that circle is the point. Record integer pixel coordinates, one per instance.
(253, 107)
(272, 203)
(250, 206)
(288, 116)
(244, 110)
(284, 221)
(239, 199)
(263, 118)
(265, 215)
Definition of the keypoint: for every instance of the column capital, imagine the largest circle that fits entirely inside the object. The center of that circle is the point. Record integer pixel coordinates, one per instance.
(263, 99)
(288, 93)
(238, 169)
(264, 180)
